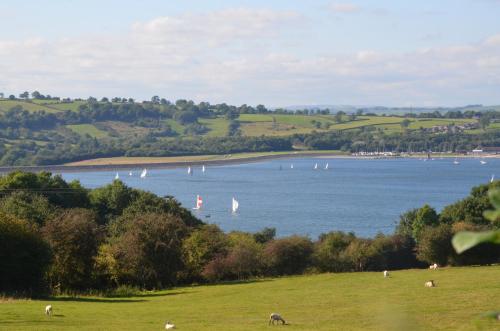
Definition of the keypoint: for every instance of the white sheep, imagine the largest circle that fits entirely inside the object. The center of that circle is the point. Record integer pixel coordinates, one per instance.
(430, 283)
(169, 326)
(433, 266)
(276, 317)
(48, 310)
(386, 273)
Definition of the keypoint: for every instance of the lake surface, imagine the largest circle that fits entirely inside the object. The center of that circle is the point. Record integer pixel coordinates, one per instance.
(365, 196)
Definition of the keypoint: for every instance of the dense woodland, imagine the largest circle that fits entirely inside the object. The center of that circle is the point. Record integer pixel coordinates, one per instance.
(40, 137)
(58, 237)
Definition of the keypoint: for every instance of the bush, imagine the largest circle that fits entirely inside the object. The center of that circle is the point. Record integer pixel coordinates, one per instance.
(74, 237)
(328, 251)
(31, 207)
(24, 258)
(288, 256)
(434, 245)
(148, 250)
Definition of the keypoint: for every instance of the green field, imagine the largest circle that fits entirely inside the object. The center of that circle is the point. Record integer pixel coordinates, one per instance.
(348, 301)
(29, 106)
(89, 129)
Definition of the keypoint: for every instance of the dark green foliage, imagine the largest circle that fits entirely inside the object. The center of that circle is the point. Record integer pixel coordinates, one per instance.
(287, 256)
(148, 250)
(28, 206)
(265, 235)
(74, 237)
(24, 258)
(434, 245)
(329, 250)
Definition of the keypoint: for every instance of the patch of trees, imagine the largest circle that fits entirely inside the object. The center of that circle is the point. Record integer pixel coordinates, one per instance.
(58, 237)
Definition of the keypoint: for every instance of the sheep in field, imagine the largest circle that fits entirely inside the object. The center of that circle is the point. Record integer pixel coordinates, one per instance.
(169, 326)
(276, 317)
(386, 273)
(48, 310)
(430, 283)
(433, 266)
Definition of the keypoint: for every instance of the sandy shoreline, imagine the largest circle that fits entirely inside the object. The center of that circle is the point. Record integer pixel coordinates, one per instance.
(215, 160)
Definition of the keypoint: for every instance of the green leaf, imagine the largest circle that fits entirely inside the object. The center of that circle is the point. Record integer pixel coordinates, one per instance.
(494, 196)
(491, 215)
(465, 240)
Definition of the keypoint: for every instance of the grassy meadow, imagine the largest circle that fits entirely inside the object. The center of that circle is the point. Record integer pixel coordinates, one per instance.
(346, 301)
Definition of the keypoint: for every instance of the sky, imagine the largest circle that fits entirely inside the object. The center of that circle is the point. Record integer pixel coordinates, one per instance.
(273, 52)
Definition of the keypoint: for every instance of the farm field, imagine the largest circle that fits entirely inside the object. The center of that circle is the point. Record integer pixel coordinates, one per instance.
(347, 301)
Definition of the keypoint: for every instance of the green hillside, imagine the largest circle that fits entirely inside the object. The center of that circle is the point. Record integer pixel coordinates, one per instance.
(347, 301)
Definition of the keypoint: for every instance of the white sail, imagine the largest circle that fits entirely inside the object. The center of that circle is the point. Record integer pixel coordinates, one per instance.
(144, 173)
(117, 176)
(199, 203)
(130, 173)
(291, 166)
(203, 168)
(456, 162)
(190, 171)
(482, 162)
(235, 205)
(492, 178)
(315, 166)
(326, 167)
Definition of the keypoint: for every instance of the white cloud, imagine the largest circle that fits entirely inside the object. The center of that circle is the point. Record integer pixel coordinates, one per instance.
(242, 56)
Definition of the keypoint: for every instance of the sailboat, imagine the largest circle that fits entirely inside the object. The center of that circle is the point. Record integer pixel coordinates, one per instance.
(203, 168)
(326, 167)
(492, 178)
(235, 205)
(291, 166)
(281, 168)
(130, 173)
(482, 162)
(315, 166)
(144, 173)
(199, 203)
(456, 162)
(117, 176)
(190, 171)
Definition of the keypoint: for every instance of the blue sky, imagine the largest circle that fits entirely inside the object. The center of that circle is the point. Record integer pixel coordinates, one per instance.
(396, 53)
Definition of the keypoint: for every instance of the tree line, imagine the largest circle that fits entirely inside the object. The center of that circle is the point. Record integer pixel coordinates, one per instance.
(58, 237)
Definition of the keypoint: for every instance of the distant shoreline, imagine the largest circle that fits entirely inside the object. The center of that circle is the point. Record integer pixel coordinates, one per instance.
(210, 160)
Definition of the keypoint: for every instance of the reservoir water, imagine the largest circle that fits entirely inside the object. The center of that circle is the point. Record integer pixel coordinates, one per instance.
(365, 196)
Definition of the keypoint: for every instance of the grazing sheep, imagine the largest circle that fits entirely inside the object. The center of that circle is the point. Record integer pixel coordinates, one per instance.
(169, 326)
(430, 283)
(386, 273)
(276, 317)
(433, 266)
(48, 310)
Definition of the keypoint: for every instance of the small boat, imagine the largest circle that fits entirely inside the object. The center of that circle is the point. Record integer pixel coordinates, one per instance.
(144, 173)
(315, 166)
(281, 168)
(492, 178)
(235, 205)
(482, 162)
(203, 168)
(291, 166)
(117, 176)
(199, 203)
(130, 173)
(456, 162)
(326, 167)
(190, 171)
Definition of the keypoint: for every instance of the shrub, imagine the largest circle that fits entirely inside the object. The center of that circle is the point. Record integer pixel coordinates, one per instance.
(74, 237)
(328, 251)
(24, 258)
(287, 256)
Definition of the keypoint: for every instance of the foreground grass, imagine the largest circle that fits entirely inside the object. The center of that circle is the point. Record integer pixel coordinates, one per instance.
(351, 301)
